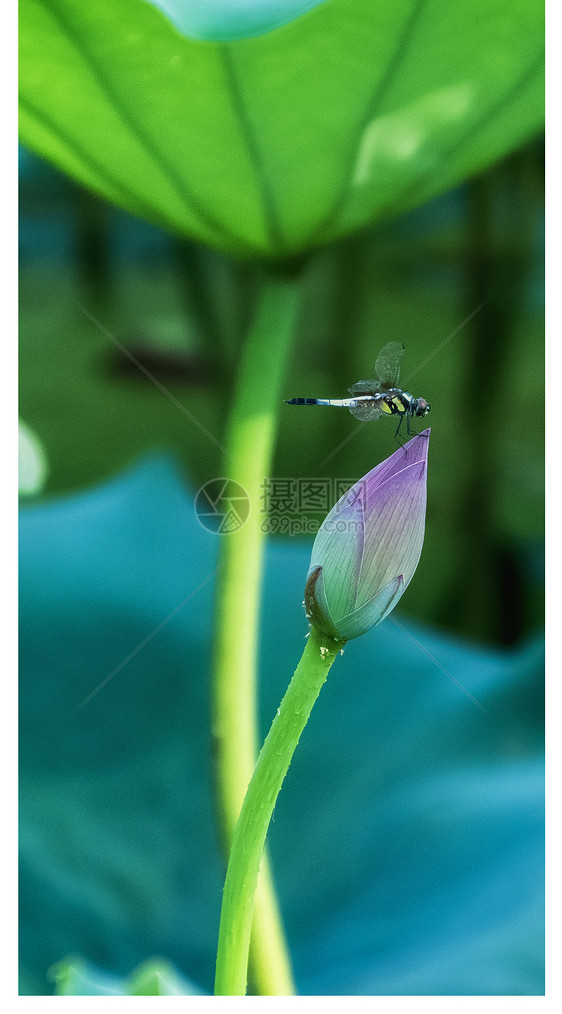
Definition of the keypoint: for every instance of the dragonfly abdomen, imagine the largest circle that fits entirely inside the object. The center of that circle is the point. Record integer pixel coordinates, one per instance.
(335, 402)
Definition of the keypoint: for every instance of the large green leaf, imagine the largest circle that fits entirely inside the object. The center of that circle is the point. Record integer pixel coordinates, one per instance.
(356, 110)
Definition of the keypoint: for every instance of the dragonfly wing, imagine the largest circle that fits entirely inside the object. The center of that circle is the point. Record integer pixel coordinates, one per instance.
(387, 366)
(364, 387)
(367, 410)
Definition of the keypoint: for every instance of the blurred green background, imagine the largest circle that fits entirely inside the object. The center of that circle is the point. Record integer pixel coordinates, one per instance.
(182, 310)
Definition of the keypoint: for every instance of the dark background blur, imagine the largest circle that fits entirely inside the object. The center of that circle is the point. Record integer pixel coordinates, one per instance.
(183, 310)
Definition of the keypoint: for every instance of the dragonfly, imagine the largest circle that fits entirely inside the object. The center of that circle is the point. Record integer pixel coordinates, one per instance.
(381, 396)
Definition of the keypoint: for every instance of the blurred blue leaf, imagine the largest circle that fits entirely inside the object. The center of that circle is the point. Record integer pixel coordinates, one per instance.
(407, 842)
(215, 20)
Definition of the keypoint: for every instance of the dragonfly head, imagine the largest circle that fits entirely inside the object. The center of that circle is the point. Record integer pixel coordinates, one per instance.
(422, 406)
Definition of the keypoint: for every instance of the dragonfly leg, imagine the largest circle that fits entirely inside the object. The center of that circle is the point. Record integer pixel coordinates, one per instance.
(410, 429)
(396, 437)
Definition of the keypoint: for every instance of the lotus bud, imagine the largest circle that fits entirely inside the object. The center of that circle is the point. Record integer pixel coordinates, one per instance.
(368, 547)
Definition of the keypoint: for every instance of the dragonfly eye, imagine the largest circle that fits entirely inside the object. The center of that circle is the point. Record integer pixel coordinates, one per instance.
(423, 407)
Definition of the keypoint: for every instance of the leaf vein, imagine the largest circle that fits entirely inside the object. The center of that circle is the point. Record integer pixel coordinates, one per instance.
(177, 182)
(375, 102)
(485, 120)
(127, 196)
(272, 223)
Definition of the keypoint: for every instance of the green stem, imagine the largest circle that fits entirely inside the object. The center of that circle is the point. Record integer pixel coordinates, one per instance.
(249, 444)
(251, 829)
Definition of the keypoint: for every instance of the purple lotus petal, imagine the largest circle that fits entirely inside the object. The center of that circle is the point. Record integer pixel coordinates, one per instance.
(394, 528)
(341, 538)
(375, 610)
(316, 605)
(415, 450)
